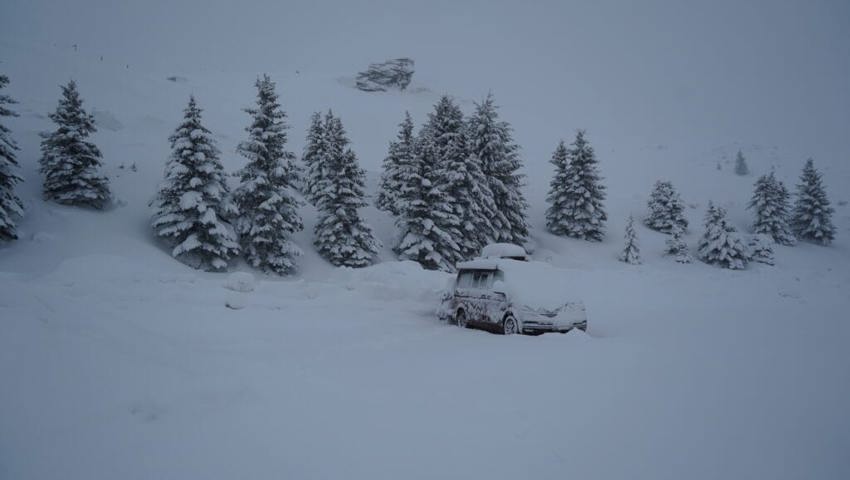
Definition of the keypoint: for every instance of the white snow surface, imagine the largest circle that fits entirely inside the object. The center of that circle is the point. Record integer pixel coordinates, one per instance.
(240, 282)
(539, 285)
(503, 250)
(117, 361)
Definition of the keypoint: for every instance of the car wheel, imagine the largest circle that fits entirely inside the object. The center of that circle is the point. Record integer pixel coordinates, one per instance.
(460, 319)
(509, 326)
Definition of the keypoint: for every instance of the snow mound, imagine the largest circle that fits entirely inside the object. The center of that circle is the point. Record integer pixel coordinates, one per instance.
(394, 281)
(42, 237)
(240, 282)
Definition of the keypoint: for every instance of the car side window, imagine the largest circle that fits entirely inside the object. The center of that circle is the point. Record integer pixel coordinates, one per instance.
(483, 279)
(466, 280)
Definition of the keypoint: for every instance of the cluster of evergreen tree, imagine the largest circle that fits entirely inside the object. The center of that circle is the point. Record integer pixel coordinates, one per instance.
(455, 186)
(11, 208)
(194, 209)
(576, 195)
(775, 222)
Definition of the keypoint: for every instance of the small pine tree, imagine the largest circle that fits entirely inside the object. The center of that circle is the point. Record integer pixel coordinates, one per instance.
(576, 193)
(666, 209)
(461, 180)
(341, 236)
(720, 244)
(424, 209)
(741, 167)
(761, 248)
(631, 251)
(69, 163)
(11, 208)
(193, 206)
(771, 205)
(312, 156)
(677, 247)
(491, 143)
(812, 217)
(268, 210)
(398, 159)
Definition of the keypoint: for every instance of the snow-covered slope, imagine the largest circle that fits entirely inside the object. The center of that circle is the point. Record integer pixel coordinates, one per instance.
(118, 361)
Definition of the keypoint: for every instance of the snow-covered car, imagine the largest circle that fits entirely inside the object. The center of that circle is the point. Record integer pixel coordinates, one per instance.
(506, 293)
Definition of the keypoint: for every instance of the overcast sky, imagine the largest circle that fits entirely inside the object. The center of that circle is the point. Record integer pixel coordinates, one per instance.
(772, 68)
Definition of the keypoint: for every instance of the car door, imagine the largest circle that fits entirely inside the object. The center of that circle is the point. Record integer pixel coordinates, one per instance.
(491, 302)
(471, 293)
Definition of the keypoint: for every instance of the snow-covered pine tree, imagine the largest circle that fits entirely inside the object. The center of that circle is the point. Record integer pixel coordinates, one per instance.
(771, 205)
(491, 142)
(423, 206)
(741, 167)
(311, 158)
(631, 250)
(677, 247)
(341, 235)
(193, 207)
(576, 193)
(666, 209)
(761, 248)
(720, 244)
(11, 208)
(556, 216)
(268, 211)
(812, 216)
(69, 162)
(460, 178)
(399, 158)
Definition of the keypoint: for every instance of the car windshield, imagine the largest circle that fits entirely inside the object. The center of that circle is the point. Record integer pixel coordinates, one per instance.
(475, 279)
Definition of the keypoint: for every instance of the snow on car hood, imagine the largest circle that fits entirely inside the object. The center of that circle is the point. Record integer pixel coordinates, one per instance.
(536, 285)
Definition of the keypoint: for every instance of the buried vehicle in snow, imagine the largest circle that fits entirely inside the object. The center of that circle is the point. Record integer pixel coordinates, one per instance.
(506, 293)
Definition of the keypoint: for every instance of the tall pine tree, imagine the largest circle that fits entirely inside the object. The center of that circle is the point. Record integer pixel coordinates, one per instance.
(770, 202)
(69, 162)
(631, 250)
(312, 156)
(491, 143)
(399, 158)
(741, 167)
(268, 211)
(193, 207)
(812, 217)
(424, 208)
(11, 208)
(461, 180)
(677, 247)
(665, 208)
(341, 235)
(576, 193)
(720, 244)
